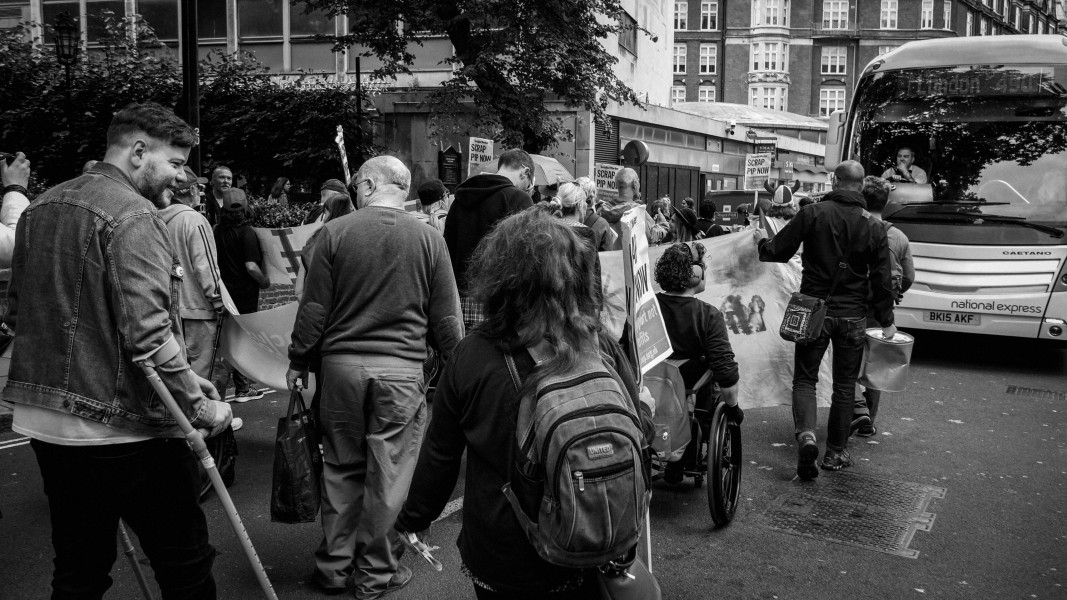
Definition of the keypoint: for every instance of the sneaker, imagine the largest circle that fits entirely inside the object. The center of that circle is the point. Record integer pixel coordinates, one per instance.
(237, 423)
(867, 430)
(401, 578)
(807, 453)
(246, 395)
(859, 422)
(835, 461)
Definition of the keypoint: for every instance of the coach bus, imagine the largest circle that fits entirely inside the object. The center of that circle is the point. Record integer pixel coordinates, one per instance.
(984, 122)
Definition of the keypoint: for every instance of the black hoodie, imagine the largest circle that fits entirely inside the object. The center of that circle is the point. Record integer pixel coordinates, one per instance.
(480, 202)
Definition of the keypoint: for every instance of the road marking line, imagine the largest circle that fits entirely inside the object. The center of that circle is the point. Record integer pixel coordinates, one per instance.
(450, 508)
(15, 443)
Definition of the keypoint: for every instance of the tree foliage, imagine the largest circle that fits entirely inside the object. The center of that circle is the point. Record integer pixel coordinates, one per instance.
(252, 122)
(510, 57)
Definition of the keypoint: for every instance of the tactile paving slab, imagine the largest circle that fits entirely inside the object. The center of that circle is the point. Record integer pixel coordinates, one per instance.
(857, 510)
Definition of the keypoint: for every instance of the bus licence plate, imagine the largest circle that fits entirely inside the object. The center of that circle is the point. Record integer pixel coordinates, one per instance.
(954, 318)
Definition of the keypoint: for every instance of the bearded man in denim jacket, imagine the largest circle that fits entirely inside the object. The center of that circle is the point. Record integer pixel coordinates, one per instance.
(94, 293)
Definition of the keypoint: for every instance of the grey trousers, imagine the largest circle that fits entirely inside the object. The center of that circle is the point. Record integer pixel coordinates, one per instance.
(373, 417)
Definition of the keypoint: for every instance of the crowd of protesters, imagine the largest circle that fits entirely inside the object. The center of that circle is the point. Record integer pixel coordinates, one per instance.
(378, 284)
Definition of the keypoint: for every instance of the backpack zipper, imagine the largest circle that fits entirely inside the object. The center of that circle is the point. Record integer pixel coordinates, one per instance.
(559, 385)
(601, 473)
(584, 412)
(570, 442)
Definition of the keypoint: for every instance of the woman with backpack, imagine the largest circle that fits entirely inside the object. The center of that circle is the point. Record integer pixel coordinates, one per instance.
(534, 276)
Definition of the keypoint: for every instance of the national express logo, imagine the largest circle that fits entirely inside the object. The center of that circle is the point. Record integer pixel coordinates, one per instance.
(990, 306)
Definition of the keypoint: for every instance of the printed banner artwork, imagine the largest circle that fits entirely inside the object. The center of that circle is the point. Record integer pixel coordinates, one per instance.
(479, 152)
(648, 333)
(281, 250)
(751, 295)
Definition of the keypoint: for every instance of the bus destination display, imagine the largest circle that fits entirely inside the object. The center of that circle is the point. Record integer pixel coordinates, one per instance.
(1027, 81)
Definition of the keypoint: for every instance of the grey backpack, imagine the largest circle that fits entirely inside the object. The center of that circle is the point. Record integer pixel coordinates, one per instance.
(578, 484)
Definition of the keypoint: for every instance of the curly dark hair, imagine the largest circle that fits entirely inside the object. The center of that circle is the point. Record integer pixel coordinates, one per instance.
(674, 268)
(536, 280)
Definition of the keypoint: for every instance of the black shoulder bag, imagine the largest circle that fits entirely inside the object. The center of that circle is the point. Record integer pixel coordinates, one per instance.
(804, 314)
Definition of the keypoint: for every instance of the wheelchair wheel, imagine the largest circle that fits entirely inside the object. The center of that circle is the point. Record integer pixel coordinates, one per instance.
(724, 467)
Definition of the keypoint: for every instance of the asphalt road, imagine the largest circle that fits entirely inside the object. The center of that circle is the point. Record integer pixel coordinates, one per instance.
(998, 532)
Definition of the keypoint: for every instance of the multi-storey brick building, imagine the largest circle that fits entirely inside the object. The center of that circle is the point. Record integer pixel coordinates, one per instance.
(804, 57)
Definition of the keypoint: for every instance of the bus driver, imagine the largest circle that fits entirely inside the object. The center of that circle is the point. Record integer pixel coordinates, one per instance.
(904, 169)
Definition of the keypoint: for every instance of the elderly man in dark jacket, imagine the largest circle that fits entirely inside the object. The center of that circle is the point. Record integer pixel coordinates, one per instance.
(846, 255)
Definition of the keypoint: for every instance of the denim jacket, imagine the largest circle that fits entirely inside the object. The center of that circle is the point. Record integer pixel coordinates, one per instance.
(94, 288)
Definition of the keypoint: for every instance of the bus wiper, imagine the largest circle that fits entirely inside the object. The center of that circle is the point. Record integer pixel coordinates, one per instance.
(960, 217)
(1052, 231)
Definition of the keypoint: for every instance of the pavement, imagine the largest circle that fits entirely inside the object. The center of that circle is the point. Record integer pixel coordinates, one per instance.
(983, 419)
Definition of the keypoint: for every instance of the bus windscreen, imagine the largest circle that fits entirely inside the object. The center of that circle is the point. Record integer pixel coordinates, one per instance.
(981, 135)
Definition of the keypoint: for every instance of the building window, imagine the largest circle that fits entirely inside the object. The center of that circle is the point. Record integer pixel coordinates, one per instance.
(969, 26)
(772, 97)
(770, 56)
(706, 93)
(833, 60)
(948, 14)
(1033, 24)
(885, 49)
(770, 12)
(677, 94)
(835, 14)
(708, 58)
(831, 99)
(679, 59)
(889, 14)
(983, 25)
(681, 16)
(627, 32)
(926, 18)
(1018, 19)
(709, 16)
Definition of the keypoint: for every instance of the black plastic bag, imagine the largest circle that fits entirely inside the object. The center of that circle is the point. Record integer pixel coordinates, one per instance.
(295, 490)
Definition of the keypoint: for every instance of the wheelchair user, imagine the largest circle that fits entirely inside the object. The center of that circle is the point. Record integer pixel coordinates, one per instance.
(697, 331)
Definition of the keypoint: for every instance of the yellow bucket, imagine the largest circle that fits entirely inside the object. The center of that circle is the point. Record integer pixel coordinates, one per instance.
(885, 361)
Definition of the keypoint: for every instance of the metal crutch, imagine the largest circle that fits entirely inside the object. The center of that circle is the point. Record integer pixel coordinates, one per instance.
(128, 550)
(196, 442)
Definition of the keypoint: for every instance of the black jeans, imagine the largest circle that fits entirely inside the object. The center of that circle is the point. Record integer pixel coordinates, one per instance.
(152, 486)
(846, 335)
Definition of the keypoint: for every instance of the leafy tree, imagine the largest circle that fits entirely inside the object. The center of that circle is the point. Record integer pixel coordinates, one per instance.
(250, 121)
(511, 57)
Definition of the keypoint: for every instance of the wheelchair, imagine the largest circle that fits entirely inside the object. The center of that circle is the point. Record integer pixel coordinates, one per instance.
(703, 439)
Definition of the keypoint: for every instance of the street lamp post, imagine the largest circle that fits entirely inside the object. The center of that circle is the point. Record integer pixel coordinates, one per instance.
(66, 40)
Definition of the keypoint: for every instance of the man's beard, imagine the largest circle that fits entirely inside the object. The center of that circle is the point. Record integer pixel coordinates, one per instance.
(154, 188)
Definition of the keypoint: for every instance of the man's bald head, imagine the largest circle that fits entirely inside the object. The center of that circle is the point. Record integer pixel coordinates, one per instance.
(628, 185)
(849, 176)
(381, 181)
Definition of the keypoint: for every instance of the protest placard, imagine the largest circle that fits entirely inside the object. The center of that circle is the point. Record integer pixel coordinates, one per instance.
(648, 340)
(479, 152)
(604, 177)
(757, 170)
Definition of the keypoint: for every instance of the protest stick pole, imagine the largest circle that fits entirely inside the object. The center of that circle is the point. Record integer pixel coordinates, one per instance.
(648, 537)
(131, 555)
(196, 442)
